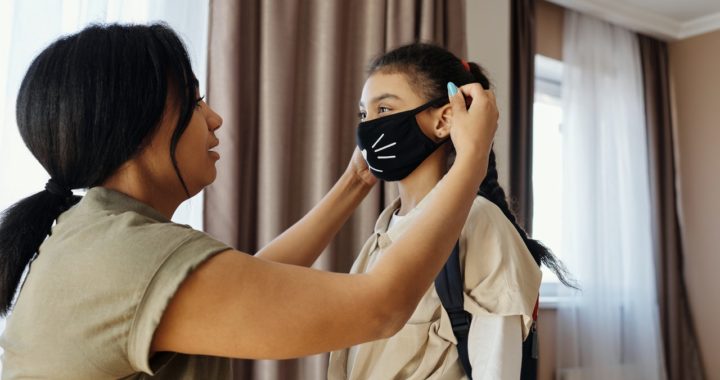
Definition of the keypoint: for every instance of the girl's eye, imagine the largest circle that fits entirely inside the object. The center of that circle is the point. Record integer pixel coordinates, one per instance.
(200, 99)
(362, 115)
(383, 109)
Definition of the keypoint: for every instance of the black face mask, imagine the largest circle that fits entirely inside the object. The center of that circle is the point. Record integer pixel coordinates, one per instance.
(393, 146)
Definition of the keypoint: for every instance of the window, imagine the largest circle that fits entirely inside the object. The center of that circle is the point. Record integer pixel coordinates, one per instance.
(547, 164)
(20, 174)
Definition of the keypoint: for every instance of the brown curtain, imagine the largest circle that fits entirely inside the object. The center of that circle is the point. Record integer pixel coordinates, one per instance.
(522, 93)
(286, 76)
(682, 353)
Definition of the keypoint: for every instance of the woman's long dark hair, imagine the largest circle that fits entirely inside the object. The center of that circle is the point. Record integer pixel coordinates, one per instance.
(88, 103)
(429, 68)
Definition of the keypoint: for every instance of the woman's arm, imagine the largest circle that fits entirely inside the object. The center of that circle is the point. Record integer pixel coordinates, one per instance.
(302, 243)
(235, 305)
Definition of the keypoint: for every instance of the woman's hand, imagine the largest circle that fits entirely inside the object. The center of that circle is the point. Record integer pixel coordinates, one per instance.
(473, 129)
(359, 169)
(303, 243)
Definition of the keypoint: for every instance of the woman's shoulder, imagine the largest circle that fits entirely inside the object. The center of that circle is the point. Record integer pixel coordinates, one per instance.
(108, 237)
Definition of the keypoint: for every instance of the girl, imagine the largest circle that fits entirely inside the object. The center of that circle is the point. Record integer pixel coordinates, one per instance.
(404, 135)
(119, 291)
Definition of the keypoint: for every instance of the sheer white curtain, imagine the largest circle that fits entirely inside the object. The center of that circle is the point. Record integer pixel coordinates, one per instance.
(609, 330)
(28, 26)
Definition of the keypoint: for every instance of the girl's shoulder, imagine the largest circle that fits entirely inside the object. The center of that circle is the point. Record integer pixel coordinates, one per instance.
(493, 249)
(485, 216)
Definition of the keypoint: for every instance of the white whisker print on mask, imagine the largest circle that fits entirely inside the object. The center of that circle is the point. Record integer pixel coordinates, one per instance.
(364, 152)
(378, 140)
(385, 147)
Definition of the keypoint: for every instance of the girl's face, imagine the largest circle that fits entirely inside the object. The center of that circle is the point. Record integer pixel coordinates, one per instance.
(388, 93)
(194, 155)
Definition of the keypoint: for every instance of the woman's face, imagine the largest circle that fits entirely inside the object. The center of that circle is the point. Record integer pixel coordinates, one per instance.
(194, 155)
(388, 93)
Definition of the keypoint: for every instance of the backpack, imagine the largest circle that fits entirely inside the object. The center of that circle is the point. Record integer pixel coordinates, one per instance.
(449, 286)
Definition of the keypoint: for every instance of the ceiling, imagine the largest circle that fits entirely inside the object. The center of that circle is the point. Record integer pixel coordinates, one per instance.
(667, 19)
(678, 10)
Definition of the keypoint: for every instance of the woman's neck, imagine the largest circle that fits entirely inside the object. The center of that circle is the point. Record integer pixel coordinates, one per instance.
(135, 181)
(422, 180)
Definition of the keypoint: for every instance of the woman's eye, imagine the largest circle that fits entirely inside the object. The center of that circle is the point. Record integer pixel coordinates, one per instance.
(383, 109)
(199, 100)
(362, 115)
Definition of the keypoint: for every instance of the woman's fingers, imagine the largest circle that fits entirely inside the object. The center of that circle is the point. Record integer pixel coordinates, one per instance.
(479, 97)
(474, 127)
(457, 99)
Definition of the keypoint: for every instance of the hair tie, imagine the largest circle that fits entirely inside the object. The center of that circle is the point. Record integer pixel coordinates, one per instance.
(465, 64)
(54, 188)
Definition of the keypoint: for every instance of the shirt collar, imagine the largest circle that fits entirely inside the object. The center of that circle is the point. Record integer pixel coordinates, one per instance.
(117, 202)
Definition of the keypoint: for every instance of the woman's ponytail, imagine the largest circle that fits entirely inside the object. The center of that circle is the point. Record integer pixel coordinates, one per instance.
(23, 227)
(88, 103)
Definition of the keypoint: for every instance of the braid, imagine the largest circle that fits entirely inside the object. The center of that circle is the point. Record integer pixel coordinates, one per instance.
(492, 191)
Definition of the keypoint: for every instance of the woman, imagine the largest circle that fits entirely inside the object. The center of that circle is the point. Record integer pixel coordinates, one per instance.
(119, 291)
(404, 133)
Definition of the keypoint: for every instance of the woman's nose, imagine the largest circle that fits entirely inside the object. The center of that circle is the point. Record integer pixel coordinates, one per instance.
(214, 120)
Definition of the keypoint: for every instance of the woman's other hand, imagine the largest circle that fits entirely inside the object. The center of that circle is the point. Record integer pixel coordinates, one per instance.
(358, 168)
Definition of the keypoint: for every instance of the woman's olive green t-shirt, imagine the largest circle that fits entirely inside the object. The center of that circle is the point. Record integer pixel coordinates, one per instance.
(96, 291)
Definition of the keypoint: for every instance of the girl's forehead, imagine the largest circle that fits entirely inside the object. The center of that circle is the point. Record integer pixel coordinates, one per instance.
(387, 86)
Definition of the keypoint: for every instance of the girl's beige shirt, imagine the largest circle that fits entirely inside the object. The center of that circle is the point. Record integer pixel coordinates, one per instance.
(501, 278)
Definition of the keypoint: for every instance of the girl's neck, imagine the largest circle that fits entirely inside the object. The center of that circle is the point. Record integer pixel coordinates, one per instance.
(422, 180)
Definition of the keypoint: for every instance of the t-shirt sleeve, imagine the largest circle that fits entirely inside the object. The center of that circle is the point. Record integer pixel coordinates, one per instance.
(501, 276)
(161, 287)
(495, 347)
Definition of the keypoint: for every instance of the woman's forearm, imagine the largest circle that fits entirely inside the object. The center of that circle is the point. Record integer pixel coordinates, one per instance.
(302, 243)
(415, 258)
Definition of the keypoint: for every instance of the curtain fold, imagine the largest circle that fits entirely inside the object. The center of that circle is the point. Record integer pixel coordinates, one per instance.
(522, 93)
(681, 349)
(286, 77)
(610, 330)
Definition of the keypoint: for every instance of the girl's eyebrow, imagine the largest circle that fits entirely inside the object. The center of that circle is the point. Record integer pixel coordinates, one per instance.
(380, 97)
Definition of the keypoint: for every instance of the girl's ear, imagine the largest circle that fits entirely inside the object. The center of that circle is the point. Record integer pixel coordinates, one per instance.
(441, 130)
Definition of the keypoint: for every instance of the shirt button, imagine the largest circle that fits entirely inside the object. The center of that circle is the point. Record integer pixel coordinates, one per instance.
(384, 241)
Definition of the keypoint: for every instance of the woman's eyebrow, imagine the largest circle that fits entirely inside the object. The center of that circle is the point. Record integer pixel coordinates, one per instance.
(380, 97)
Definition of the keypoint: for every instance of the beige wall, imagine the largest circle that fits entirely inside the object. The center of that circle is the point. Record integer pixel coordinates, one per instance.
(695, 71)
(488, 38)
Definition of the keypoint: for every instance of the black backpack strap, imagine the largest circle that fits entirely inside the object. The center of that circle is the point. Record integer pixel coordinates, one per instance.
(530, 355)
(449, 287)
